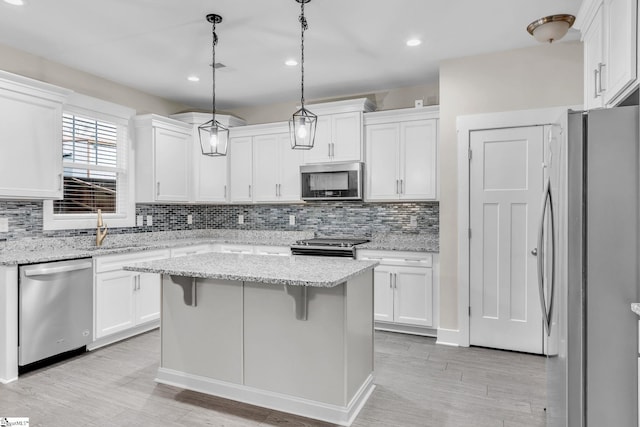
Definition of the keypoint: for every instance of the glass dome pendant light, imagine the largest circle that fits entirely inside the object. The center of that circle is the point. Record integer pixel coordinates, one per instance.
(302, 125)
(214, 138)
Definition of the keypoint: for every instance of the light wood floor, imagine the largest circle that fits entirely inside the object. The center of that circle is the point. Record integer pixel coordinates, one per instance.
(418, 382)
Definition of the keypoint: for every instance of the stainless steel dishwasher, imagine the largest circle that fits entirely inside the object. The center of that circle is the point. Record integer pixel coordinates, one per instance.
(55, 313)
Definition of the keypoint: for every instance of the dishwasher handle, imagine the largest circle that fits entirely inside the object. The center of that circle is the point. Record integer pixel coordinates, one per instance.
(61, 269)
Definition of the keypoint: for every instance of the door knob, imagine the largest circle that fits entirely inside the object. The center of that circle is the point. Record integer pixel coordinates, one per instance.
(534, 251)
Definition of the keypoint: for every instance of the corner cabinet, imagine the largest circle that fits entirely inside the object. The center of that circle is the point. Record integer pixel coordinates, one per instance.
(210, 175)
(338, 131)
(264, 168)
(609, 34)
(405, 290)
(163, 159)
(31, 135)
(401, 155)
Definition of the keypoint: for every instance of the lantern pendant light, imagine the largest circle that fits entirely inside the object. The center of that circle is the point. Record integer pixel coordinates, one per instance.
(302, 125)
(214, 138)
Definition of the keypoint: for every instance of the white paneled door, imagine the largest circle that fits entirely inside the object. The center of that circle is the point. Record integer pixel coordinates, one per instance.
(505, 174)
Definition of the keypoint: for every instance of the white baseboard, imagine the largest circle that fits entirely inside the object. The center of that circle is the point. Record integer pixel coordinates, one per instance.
(405, 329)
(448, 337)
(119, 336)
(341, 415)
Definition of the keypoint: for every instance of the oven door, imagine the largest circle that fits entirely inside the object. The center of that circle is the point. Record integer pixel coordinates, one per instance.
(332, 181)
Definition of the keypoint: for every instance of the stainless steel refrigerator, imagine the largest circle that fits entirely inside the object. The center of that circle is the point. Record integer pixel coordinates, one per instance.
(589, 269)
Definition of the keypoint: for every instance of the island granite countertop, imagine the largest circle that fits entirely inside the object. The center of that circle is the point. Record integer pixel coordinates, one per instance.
(279, 270)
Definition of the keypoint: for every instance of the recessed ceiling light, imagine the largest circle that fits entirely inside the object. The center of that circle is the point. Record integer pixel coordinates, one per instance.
(414, 42)
(15, 2)
(193, 78)
(291, 62)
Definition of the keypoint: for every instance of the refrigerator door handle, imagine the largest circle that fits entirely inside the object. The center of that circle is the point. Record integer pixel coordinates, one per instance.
(553, 258)
(540, 259)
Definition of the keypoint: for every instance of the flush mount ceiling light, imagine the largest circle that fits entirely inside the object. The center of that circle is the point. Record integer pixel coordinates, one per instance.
(302, 125)
(193, 78)
(214, 137)
(291, 62)
(551, 28)
(414, 42)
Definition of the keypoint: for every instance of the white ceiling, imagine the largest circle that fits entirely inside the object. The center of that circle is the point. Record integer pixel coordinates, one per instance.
(352, 46)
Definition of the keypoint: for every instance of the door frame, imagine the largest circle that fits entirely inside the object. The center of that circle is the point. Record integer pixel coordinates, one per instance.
(465, 125)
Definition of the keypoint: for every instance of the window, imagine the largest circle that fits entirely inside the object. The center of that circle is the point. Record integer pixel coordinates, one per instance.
(95, 160)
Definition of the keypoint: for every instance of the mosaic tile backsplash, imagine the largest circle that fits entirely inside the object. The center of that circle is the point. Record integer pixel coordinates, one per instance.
(323, 218)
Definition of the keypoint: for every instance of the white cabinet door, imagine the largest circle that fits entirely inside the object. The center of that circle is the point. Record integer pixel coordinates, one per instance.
(31, 146)
(290, 161)
(321, 151)
(413, 303)
(172, 151)
(593, 62)
(620, 18)
(241, 169)
(210, 180)
(115, 306)
(383, 294)
(346, 137)
(266, 168)
(147, 297)
(418, 159)
(382, 161)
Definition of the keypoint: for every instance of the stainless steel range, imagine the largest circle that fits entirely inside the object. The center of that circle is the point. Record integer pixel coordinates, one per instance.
(327, 247)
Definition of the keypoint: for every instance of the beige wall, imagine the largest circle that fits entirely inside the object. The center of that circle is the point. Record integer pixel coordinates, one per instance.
(536, 77)
(38, 68)
(403, 97)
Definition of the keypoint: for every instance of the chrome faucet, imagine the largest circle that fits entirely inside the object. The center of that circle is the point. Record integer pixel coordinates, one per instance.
(101, 231)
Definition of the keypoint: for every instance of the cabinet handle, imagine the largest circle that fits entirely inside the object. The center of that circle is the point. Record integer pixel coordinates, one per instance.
(225, 191)
(157, 189)
(249, 190)
(329, 148)
(595, 83)
(333, 149)
(279, 190)
(395, 280)
(402, 186)
(600, 67)
(60, 181)
(390, 280)
(276, 190)
(397, 186)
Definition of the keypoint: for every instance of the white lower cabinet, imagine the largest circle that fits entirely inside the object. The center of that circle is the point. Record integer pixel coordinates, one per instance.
(404, 291)
(125, 300)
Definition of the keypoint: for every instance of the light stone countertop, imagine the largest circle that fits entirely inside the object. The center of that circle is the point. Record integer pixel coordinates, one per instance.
(279, 270)
(424, 242)
(635, 307)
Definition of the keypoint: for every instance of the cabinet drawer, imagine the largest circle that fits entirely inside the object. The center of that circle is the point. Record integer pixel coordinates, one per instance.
(404, 258)
(115, 262)
(272, 250)
(236, 249)
(190, 250)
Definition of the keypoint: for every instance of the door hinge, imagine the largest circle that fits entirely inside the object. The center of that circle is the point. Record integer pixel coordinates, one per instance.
(469, 232)
(470, 154)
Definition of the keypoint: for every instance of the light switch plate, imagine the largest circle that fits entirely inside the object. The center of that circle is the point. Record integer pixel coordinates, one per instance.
(139, 220)
(240, 219)
(419, 103)
(4, 225)
(292, 220)
(189, 219)
(413, 221)
(149, 220)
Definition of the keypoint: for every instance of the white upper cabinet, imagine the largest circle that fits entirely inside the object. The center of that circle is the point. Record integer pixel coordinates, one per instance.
(210, 175)
(609, 34)
(264, 168)
(163, 159)
(402, 154)
(338, 131)
(31, 138)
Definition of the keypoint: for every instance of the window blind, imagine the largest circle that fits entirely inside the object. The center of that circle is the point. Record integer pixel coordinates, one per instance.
(90, 160)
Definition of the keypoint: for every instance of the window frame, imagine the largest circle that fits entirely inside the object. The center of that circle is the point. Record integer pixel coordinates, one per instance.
(120, 116)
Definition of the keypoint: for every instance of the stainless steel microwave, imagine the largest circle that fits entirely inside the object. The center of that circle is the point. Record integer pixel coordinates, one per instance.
(332, 181)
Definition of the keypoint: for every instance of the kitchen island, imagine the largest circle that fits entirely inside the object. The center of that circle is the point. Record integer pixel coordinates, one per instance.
(293, 334)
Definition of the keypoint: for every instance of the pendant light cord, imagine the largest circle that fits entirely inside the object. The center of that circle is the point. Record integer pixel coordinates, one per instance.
(213, 74)
(303, 27)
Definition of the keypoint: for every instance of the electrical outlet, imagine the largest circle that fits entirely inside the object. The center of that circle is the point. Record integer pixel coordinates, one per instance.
(292, 220)
(413, 221)
(149, 220)
(4, 225)
(419, 103)
(240, 219)
(139, 220)
(189, 219)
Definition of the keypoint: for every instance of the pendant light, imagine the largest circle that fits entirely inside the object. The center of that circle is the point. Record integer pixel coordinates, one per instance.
(214, 137)
(302, 125)
(551, 28)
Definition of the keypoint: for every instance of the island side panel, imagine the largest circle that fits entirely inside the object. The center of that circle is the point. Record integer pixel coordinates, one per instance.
(302, 358)
(359, 335)
(206, 339)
